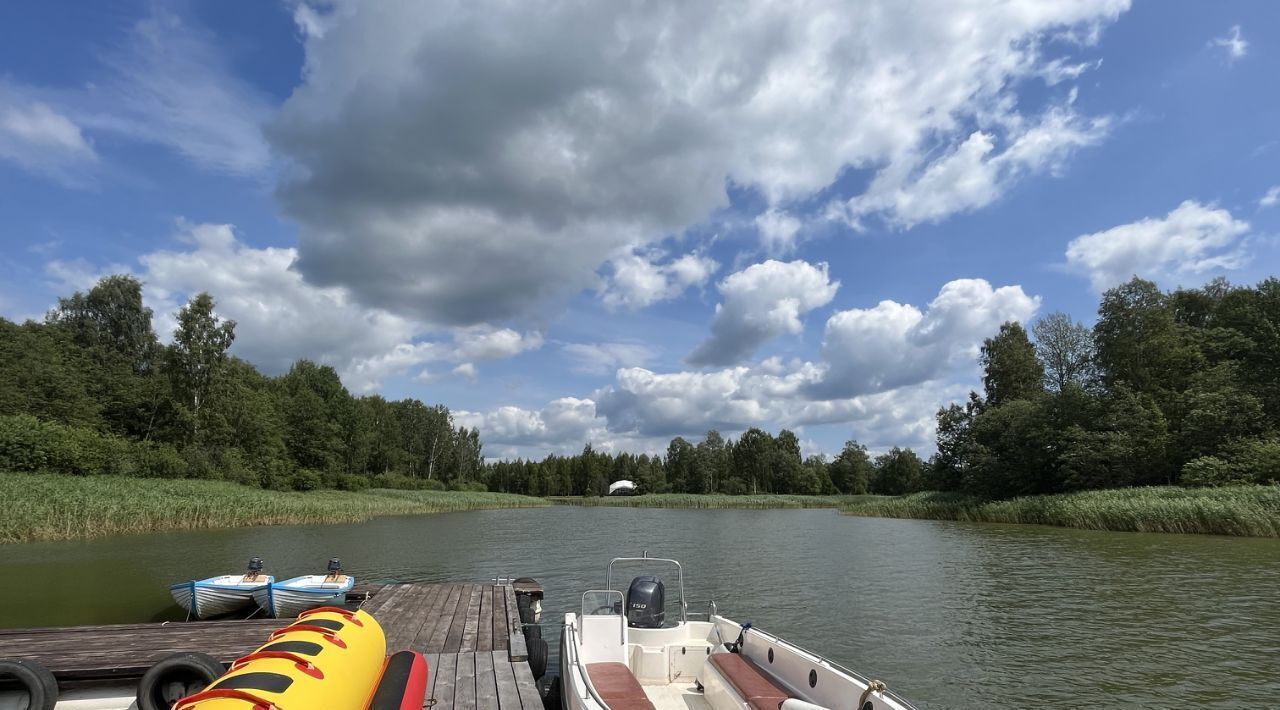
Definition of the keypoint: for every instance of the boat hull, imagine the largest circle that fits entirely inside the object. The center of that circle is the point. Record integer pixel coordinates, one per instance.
(287, 599)
(203, 599)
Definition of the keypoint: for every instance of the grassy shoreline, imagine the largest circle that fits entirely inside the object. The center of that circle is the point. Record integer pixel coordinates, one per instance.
(708, 501)
(1251, 511)
(39, 507)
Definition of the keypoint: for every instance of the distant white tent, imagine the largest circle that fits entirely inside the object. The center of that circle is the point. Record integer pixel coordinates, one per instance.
(622, 488)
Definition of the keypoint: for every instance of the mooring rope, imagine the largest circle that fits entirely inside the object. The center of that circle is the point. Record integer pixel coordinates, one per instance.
(873, 686)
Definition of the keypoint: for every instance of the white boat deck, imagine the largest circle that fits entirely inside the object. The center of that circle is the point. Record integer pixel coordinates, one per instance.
(676, 697)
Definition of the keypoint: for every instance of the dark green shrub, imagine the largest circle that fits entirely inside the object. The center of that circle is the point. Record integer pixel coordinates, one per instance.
(155, 460)
(469, 486)
(22, 444)
(305, 479)
(352, 482)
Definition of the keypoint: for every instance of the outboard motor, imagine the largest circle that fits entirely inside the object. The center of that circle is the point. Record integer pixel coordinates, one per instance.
(646, 603)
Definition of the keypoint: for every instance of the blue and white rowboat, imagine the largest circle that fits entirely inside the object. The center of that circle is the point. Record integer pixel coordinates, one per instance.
(293, 596)
(215, 596)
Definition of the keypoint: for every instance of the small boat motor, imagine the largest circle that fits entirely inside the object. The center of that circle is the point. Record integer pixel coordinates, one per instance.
(335, 567)
(646, 603)
(255, 566)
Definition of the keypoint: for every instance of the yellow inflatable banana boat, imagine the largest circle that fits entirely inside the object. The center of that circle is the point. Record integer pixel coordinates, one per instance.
(329, 658)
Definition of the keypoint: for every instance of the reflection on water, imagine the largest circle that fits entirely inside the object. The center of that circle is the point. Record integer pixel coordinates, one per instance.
(948, 614)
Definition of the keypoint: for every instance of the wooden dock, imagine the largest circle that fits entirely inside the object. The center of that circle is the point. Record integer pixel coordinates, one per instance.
(470, 635)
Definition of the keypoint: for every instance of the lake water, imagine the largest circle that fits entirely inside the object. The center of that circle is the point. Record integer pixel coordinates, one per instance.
(950, 615)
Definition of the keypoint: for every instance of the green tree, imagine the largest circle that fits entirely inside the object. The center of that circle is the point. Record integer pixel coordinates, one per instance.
(196, 358)
(851, 471)
(1066, 352)
(897, 472)
(1010, 368)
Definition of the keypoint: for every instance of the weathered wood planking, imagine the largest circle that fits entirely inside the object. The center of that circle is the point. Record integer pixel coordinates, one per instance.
(463, 630)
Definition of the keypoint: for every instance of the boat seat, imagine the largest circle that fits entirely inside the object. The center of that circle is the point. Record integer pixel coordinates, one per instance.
(618, 686)
(755, 688)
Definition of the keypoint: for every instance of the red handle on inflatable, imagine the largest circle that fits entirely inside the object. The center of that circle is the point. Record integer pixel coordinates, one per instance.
(258, 703)
(344, 613)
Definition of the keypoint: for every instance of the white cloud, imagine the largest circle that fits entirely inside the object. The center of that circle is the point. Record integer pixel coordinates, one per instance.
(503, 183)
(637, 281)
(1060, 70)
(869, 350)
(38, 138)
(604, 358)
(280, 318)
(170, 84)
(1190, 240)
(1270, 199)
(565, 424)
(1232, 42)
(777, 230)
(974, 174)
(760, 303)
(467, 370)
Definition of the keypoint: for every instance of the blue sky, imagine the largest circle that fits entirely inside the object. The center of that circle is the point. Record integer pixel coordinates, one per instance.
(621, 224)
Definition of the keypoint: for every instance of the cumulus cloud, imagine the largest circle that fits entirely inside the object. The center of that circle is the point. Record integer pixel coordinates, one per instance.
(1234, 44)
(638, 281)
(563, 424)
(467, 370)
(280, 318)
(760, 303)
(867, 350)
(475, 162)
(1190, 240)
(41, 140)
(976, 172)
(1270, 199)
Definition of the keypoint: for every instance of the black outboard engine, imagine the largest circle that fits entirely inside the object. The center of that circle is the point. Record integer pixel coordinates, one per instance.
(646, 603)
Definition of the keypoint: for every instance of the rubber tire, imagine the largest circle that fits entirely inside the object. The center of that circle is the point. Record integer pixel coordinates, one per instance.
(525, 605)
(194, 670)
(551, 694)
(41, 686)
(538, 654)
(532, 632)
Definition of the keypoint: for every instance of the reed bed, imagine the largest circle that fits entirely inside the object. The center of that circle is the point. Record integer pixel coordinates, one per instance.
(57, 507)
(710, 501)
(1231, 510)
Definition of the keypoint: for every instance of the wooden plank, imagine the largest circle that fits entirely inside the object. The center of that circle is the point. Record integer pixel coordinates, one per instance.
(443, 691)
(403, 629)
(421, 640)
(464, 682)
(471, 624)
(486, 681)
(433, 660)
(516, 647)
(500, 639)
(453, 641)
(382, 598)
(484, 630)
(529, 697)
(505, 678)
(444, 617)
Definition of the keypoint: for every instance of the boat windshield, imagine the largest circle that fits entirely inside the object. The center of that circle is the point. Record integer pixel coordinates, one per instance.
(646, 561)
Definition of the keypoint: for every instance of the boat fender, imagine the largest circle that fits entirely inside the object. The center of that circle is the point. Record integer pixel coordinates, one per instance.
(175, 676)
(525, 606)
(794, 704)
(538, 657)
(403, 684)
(551, 692)
(41, 686)
(532, 631)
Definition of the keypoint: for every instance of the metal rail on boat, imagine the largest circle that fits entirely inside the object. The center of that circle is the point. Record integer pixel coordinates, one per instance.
(571, 650)
(608, 580)
(828, 663)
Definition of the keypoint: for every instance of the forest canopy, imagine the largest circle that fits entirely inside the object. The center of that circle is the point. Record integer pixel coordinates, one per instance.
(1178, 387)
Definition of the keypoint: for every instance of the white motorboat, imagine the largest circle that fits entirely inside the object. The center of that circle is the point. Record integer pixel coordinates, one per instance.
(215, 596)
(620, 653)
(293, 596)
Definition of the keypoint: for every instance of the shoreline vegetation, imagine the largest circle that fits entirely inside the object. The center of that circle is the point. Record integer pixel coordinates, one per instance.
(49, 506)
(1247, 511)
(710, 501)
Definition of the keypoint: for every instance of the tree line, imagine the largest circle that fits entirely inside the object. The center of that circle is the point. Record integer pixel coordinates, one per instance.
(92, 390)
(1178, 387)
(757, 462)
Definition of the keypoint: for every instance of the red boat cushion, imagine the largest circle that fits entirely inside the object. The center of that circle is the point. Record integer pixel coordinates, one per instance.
(618, 687)
(755, 687)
